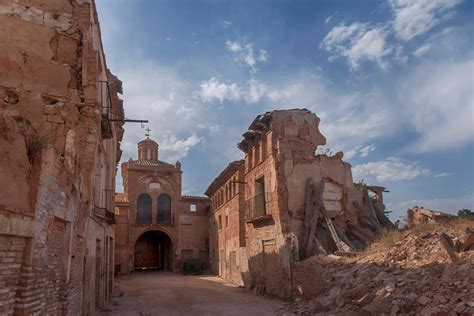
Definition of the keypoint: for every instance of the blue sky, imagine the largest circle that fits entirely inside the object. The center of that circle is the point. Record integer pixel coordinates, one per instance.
(392, 82)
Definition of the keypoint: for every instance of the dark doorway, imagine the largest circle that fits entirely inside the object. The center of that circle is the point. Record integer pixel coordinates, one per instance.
(153, 250)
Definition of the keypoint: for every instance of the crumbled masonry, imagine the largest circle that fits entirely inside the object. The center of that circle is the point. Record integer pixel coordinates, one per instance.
(283, 204)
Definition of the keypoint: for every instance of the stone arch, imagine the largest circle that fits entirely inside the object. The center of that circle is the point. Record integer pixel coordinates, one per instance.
(153, 249)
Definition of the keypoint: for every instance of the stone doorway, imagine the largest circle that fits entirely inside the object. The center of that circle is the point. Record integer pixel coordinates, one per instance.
(153, 250)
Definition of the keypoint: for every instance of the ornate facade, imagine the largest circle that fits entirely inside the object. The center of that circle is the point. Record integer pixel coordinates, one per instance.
(158, 227)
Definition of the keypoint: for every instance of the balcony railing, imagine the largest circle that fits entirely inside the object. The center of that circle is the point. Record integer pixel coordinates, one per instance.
(104, 215)
(257, 207)
(106, 108)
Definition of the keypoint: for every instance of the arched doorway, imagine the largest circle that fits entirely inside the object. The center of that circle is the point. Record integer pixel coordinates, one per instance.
(153, 250)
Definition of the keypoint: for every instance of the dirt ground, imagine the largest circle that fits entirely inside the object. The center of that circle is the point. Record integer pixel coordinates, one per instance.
(163, 293)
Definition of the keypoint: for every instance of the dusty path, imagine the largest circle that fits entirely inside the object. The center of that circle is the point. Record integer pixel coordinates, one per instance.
(162, 293)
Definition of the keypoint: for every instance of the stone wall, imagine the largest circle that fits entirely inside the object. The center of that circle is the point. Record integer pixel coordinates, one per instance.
(58, 156)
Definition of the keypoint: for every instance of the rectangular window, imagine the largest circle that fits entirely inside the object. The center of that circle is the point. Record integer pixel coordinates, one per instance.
(259, 199)
(193, 208)
(219, 223)
(227, 221)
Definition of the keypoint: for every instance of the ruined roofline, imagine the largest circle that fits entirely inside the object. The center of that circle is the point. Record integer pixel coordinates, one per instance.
(223, 176)
(261, 125)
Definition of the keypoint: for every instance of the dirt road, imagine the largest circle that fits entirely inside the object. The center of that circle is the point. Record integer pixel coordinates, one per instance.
(162, 293)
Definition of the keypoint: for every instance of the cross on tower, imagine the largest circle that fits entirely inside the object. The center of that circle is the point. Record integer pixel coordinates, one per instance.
(147, 134)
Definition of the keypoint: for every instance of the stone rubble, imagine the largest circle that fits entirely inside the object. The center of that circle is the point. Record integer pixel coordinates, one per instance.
(404, 273)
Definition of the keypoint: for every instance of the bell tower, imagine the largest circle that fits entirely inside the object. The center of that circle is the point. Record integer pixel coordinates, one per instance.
(148, 148)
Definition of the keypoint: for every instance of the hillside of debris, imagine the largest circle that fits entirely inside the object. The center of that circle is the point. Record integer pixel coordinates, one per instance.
(426, 269)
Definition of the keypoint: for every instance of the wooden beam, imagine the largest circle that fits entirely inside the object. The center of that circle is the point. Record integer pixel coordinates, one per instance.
(341, 245)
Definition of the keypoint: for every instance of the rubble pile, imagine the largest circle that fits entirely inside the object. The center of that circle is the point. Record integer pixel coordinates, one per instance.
(404, 273)
(419, 215)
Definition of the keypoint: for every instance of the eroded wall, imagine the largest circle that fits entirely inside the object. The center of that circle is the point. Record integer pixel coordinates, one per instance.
(279, 150)
(54, 158)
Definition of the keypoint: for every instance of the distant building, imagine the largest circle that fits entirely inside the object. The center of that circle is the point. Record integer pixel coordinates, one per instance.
(156, 226)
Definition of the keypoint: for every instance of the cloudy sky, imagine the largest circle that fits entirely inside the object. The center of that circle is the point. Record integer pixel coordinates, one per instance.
(392, 82)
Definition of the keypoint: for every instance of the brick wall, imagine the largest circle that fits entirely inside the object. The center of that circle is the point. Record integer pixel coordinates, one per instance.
(11, 256)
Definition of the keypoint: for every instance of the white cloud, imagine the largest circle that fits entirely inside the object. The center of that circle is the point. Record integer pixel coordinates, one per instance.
(255, 91)
(244, 53)
(174, 149)
(443, 174)
(234, 47)
(390, 169)
(415, 17)
(438, 100)
(227, 24)
(358, 42)
(422, 50)
(328, 19)
(213, 90)
(362, 151)
(353, 120)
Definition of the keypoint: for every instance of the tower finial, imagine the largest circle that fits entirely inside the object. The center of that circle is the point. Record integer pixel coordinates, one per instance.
(147, 134)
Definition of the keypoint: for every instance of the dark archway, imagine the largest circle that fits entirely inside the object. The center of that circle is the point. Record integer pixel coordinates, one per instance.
(154, 250)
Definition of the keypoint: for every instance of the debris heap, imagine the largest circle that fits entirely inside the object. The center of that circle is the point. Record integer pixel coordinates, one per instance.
(404, 273)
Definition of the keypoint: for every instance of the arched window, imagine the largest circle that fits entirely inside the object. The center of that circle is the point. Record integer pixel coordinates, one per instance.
(164, 209)
(144, 209)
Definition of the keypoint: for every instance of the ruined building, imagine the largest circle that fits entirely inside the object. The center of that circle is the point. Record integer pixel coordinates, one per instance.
(227, 224)
(158, 227)
(284, 204)
(60, 133)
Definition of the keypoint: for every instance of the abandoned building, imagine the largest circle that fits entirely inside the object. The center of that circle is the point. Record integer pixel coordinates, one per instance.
(156, 226)
(227, 255)
(60, 133)
(284, 203)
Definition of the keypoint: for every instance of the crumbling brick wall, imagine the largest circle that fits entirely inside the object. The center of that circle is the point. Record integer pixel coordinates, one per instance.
(311, 205)
(54, 127)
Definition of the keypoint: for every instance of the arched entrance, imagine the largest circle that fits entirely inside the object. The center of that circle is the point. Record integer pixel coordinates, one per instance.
(153, 250)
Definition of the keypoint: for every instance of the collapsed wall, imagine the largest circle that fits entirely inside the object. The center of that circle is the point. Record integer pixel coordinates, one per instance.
(59, 148)
(420, 215)
(298, 203)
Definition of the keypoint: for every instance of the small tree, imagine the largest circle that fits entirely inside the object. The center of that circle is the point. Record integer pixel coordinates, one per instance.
(465, 213)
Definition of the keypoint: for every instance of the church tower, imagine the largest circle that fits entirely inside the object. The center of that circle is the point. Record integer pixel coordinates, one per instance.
(148, 149)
